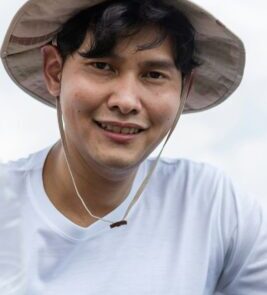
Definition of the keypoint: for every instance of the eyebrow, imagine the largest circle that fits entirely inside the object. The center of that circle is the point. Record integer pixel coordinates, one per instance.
(159, 63)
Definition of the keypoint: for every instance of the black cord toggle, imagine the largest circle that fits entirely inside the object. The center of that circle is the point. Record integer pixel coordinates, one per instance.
(119, 223)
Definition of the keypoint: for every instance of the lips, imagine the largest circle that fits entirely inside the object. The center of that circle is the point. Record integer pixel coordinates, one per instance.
(120, 128)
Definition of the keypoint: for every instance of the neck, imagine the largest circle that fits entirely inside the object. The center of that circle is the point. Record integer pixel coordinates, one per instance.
(101, 192)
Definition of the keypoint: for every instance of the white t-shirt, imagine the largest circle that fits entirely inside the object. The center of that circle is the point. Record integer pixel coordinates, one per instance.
(191, 233)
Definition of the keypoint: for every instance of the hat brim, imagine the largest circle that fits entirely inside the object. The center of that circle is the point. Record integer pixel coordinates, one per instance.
(220, 52)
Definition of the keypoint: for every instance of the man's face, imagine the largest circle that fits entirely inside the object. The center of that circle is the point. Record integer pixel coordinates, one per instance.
(117, 109)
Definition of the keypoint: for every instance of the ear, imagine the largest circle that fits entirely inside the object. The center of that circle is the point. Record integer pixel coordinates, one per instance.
(52, 69)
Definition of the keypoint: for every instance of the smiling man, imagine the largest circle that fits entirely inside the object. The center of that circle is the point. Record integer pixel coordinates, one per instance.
(99, 216)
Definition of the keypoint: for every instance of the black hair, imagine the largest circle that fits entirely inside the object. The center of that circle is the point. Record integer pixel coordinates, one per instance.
(111, 21)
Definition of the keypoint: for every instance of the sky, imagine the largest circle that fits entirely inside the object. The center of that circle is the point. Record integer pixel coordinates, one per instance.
(232, 136)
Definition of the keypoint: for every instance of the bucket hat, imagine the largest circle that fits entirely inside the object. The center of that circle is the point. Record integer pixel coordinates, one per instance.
(220, 52)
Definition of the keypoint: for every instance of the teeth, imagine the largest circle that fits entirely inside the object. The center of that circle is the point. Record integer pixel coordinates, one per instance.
(125, 130)
(104, 126)
(117, 129)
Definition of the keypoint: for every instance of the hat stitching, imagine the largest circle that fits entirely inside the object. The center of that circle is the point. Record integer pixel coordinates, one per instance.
(31, 40)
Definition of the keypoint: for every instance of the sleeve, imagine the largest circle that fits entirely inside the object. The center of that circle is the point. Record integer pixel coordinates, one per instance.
(245, 260)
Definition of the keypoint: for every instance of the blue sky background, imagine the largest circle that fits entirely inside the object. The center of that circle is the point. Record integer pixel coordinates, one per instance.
(232, 136)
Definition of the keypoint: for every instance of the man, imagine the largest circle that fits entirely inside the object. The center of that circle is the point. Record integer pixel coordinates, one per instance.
(99, 217)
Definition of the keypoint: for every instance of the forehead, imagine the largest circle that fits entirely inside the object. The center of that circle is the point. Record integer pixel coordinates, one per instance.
(132, 44)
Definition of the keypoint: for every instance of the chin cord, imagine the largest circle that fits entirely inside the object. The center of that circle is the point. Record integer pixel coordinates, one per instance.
(188, 81)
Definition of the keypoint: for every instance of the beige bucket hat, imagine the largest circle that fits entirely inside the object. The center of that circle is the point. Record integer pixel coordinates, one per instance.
(220, 52)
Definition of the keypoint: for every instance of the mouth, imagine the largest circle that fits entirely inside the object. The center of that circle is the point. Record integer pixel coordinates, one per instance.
(120, 128)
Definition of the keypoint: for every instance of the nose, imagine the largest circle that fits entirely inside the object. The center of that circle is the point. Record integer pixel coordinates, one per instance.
(126, 96)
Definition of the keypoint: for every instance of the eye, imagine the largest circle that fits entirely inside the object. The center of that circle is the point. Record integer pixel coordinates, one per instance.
(101, 66)
(155, 75)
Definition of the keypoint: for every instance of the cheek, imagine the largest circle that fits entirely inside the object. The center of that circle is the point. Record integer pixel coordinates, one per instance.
(164, 110)
(81, 98)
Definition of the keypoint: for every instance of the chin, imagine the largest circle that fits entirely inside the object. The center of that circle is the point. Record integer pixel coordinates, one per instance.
(120, 163)
(115, 160)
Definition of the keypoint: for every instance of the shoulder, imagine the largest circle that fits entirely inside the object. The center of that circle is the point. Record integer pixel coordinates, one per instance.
(14, 173)
(196, 176)
(31, 162)
(186, 172)
(183, 165)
